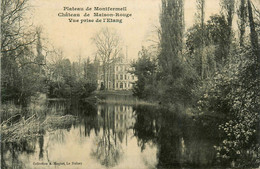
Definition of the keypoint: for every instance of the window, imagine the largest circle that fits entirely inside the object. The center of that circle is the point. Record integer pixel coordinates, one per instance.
(117, 68)
(121, 85)
(116, 85)
(133, 77)
(125, 85)
(121, 77)
(116, 77)
(125, 77)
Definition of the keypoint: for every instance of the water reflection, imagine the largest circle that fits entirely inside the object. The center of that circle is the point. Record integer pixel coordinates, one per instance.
(108, 150)
(117, 136)
(181, 141)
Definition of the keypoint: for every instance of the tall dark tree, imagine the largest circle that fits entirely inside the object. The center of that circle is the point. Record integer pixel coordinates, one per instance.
(175, 80)
(242, 15)
(253, 34)
(228, 9)
(172, 27)
(201, 18)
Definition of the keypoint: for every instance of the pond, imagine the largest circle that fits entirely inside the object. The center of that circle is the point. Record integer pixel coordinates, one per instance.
(114, 135)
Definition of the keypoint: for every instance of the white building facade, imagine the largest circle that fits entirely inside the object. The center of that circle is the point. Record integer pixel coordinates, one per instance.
(118, 76)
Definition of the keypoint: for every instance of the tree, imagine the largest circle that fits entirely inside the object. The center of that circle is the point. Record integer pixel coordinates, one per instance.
(201, 17)
(90, 71)
(242, 15)
(20, 65)
(228, 8)
(108, 43)
(14, 34)
(145, 70)
(253, 35)
(217, 28)
(172, 27)
(176, 77)
(234, 92)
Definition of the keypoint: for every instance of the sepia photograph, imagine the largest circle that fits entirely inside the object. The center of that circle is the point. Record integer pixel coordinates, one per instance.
(130, 84)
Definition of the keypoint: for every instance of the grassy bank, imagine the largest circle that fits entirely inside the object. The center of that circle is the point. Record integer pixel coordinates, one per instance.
(33, 127)
(23, 123)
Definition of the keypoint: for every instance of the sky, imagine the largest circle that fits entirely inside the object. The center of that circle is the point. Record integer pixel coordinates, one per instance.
(75, 38)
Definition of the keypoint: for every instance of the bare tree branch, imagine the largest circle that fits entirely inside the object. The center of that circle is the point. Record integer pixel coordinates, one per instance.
(108, 47)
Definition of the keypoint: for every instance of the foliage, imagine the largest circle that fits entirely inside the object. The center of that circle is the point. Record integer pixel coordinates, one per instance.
(218, 29)
(22, 59)
(145, 70)
(67, 89)
(229, 76)
(83, 88)
(76, 79)
(234, 92)
(194, 39)
(215, 39)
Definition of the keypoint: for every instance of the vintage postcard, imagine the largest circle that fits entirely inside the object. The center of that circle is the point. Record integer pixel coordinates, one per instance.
(128, 84)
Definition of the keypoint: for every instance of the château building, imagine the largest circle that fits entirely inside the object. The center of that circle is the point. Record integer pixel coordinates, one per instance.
(118, 75)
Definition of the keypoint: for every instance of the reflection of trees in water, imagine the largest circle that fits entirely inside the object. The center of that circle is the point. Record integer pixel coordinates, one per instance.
(181, 141)
(81, 108)
(107, 149)
(87, 113)
(169, 141)
(146, 127)
(10, 153)
(41, 143)
(91, 122)
(60, 107)
(163, 129)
